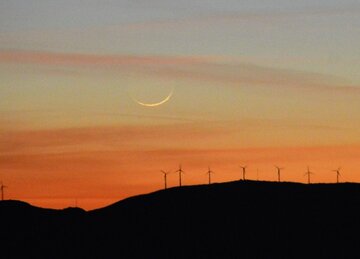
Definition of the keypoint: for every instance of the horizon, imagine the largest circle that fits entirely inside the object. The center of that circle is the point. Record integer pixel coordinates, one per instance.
(74, 202)
(97, 99)
(75, 205)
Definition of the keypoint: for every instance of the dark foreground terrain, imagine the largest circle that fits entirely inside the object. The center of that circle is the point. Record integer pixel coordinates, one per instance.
(243, 219)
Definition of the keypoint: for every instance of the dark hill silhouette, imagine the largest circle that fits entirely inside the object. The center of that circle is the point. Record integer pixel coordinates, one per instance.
(243, 219)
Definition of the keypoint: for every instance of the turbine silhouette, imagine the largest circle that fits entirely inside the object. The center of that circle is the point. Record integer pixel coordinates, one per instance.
(180, 171)
(209, 172)
(308, 173)
(244, 171)
(2, 187)
(279, 172)
(165, 178)
(337, 171)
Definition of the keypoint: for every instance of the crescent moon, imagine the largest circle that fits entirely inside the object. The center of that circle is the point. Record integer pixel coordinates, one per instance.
(167, 98)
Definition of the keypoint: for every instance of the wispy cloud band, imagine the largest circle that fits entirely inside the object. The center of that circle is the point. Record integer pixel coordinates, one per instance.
(192, 67)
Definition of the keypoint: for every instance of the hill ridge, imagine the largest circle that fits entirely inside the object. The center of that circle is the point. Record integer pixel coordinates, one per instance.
(240, 219)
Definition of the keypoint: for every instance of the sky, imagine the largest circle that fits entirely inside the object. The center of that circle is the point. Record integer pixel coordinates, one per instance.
(257, 83)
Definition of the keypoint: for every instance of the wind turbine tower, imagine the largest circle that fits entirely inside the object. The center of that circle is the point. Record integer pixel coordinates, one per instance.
(308, 173)
(180, 171)
(337, 171)
(209, 172)
(2, 187)
(165, 178)
(279, 172)
(244, 172)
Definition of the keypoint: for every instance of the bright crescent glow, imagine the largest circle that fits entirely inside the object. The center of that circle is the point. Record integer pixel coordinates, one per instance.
(155, 104)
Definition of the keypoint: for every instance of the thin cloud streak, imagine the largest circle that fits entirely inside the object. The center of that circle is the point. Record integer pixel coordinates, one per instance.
(128, 137)
(48, 58)
(116, 137)
(263, 17)
(131, 161)
(185, 68)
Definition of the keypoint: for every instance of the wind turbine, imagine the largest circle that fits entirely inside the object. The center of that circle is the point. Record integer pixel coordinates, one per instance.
(243, 171)
(279, 171)
(2, 187)
(337, 174)
(180, 171)
(165, 177)
(308, 173)
(209, 172)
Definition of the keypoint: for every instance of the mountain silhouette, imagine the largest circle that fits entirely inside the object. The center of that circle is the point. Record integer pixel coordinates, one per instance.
(242, 219)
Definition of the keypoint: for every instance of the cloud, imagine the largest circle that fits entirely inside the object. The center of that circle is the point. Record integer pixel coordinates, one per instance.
(49, 58)
(101, 138)
(193, 135)
(131, 161)
(184, 68)
(264, 17)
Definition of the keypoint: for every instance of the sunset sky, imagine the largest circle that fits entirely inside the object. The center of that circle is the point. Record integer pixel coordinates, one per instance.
(260, 83)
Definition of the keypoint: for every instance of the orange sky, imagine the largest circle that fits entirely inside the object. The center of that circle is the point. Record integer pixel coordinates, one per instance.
(71, 133)
(96, 166)
(266, 84)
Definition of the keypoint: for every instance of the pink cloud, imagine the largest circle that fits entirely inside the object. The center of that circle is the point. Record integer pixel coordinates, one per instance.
(181, 68)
